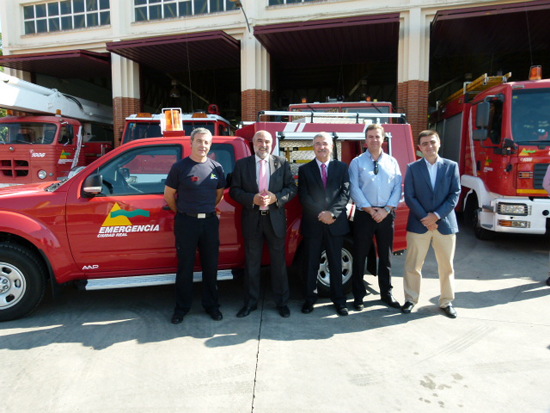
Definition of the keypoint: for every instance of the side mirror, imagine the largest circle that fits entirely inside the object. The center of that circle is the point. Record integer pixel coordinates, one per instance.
(93, 185)
(482, 117)
(482, 121)
(480, 135)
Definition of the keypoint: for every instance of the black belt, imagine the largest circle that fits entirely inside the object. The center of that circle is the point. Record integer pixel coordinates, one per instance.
(264, 211)
(200, 215)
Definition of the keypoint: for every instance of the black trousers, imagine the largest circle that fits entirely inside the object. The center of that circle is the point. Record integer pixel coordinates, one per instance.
(365, 228)
(254, 246)
(192, 233)
(313, 249)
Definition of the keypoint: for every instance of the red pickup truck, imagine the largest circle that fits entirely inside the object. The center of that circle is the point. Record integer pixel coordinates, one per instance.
(108, 226)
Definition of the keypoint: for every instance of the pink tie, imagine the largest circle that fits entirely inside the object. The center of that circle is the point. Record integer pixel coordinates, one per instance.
(263, 179)
(324, 169)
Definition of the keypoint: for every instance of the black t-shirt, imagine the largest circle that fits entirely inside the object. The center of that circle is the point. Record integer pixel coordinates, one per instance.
(196, 184)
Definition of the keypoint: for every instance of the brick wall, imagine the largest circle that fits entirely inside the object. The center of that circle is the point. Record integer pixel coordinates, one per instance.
(122, 108)
(413, 98)
(254, 100)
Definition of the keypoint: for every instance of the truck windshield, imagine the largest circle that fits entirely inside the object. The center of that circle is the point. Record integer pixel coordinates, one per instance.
(531, 116)
(27, 133)
(189, 126)
(141, 130)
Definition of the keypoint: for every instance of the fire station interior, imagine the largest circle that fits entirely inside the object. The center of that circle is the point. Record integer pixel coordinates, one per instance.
(466, 43)
(350, 59)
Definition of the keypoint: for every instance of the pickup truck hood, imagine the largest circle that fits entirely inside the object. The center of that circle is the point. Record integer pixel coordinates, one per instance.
(26, 197)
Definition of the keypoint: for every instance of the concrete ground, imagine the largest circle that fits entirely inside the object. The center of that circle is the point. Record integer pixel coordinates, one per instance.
(116, 351)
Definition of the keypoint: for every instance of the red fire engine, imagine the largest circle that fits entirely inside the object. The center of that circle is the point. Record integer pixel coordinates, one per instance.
(147, 125)
(497, 131)
(63, 133)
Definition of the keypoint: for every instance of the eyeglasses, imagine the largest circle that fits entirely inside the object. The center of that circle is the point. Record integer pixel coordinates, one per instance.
(376, 167)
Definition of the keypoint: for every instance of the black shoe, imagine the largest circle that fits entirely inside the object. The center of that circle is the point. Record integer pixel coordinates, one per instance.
(407, 307)
(177, 318)
(284, 311)
(358, 305)
(307, 308)
(342, 310)
(215, 314)
(245, 311)
(389, 300)
(449, 311)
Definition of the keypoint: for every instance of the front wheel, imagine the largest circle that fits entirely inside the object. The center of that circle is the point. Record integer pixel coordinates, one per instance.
(323, 275)
(22, 281)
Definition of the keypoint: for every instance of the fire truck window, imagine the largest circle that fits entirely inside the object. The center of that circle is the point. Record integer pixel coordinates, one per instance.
(531, 115)
(224, 131)
(141, 171)
(189, 127)
(49, 136)
(66, 135)
(223, 153)
(495, 122)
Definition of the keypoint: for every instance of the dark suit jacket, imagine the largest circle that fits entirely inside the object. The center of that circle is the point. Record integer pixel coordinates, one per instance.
(315, 198)
(422, 199)
(244, 186)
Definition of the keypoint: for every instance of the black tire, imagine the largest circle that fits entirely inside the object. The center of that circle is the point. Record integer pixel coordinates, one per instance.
(548, 281)
(323, 275)
(471, 215)
(22, 281)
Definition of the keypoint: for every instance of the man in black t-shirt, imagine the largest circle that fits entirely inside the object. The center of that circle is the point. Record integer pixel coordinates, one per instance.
(198, 182)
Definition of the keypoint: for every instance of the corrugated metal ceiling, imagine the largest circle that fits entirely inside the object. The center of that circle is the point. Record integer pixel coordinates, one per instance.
(181, 53)
(67, 64)
(332, 42)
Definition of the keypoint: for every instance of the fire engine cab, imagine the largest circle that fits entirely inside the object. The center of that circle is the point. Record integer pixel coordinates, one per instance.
(497, 131)
(147, 125)
(58, 134)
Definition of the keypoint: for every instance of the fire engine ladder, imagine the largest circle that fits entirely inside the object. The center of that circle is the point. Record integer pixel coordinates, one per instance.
(479, 85)
(28, 97)
(309, 116)
(336, 136)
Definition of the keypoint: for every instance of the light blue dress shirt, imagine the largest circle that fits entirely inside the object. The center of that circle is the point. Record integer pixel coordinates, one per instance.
(375, 190)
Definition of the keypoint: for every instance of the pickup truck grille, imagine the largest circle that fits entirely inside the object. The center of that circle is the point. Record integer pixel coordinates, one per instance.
(540, 171)
(14, 168)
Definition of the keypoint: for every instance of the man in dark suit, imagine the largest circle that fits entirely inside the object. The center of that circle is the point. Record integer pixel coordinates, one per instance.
(432, 189)
(323, 187)
(263, 184)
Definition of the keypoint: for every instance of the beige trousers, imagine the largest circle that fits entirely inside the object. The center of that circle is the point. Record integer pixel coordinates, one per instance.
(417, 249)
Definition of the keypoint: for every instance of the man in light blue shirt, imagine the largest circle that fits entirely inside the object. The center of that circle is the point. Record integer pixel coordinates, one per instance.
(376, 186)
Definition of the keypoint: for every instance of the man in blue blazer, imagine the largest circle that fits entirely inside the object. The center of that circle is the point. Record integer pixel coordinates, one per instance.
(324, 191)
(432, 189)
(263, 184)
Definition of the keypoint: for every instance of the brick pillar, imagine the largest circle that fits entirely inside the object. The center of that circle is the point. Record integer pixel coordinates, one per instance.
(122, 108)
(413, 98)
(253, 101)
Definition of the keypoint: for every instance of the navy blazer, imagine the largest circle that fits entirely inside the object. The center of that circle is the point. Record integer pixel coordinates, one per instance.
(422, 199)
(315, 198)
(244, 186)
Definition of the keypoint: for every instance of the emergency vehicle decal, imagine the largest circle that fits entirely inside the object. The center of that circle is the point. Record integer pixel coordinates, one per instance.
(525, 152)
(64, 158)
(118, 224)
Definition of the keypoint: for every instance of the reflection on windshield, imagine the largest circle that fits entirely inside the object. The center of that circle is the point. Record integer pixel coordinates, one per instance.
(28, 133)
(142, 130)
(531, 115)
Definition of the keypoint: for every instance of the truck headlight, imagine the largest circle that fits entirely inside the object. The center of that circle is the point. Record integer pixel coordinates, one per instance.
(42, 174)
(512, 209)
(514, 224)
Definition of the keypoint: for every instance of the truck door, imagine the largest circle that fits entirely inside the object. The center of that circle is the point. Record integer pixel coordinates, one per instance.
(126, 230)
